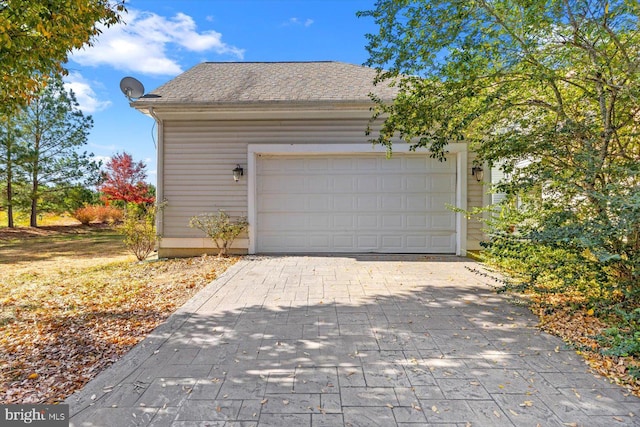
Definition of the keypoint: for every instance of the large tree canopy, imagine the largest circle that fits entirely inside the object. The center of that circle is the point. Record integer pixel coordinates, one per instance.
(36, 37)
(547, 89)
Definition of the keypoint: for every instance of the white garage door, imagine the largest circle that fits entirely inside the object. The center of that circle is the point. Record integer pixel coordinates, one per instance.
(355, 203)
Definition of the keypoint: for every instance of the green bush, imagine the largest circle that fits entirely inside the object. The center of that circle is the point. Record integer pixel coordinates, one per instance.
(623, 339)
(220, 228)
(139, 230)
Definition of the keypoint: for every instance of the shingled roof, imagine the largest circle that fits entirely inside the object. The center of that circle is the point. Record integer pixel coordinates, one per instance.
(269, 82)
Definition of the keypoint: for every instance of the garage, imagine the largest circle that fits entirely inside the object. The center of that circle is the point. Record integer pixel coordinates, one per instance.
(356, 202)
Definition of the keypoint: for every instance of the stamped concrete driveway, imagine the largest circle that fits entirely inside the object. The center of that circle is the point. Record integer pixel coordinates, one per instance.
(353, 341)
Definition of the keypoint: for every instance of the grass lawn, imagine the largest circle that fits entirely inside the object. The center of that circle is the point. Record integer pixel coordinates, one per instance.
(73, 300)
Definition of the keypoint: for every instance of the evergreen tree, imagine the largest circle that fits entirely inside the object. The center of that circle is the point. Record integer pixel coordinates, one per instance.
(52, 130)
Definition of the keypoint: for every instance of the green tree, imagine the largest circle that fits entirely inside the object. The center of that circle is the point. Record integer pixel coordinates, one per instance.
(550, 91)
(36, 37)
(53, 129)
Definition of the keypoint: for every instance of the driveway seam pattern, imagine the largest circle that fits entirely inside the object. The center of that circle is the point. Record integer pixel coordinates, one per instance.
(358, 340)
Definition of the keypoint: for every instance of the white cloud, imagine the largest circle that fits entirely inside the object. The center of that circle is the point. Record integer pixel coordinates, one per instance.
(298, 22)
(111, 147)
(142, 44)
(85, 95)
(103, 159)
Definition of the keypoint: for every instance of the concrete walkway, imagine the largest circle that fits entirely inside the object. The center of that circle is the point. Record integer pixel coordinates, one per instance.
(351, 341)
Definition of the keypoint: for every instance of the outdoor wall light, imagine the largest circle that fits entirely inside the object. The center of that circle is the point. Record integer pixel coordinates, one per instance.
(477, 172)
(237, 173)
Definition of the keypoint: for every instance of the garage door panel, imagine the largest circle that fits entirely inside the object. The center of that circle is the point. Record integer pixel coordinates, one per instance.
(342, 164)
(439, 201)
(344, 242)
(355, 203)
(392, 202)
(417, 222)
(343, 203)
(441, 222)
(367, 222)
(392, 242)
(367, 164)
(367, 242)
(416, 202)
(417, 242)
(416, 183)
(393, 164)
(274, 223)
(392, 221)
(319, 222)
(343, 184)
(281, 185)
(367, 184)
(343, 222)
(320, 202)
(391, 183)
(318, 164)
(441, 184)
(319, 184)
(442, 243)
(435, 165)
(367, 203)
(319, 242)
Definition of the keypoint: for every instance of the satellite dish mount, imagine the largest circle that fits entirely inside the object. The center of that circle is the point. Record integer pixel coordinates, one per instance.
(131, 88)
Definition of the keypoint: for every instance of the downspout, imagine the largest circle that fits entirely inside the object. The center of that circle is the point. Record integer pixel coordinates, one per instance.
(160, 174)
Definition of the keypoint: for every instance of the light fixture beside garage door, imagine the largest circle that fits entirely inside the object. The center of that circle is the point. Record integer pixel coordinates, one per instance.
(477, 172)
(237, 173)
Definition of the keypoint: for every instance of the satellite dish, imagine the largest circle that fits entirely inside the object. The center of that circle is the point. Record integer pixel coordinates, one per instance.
(131, 88)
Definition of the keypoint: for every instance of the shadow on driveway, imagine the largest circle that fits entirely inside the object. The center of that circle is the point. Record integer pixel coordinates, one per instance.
(353, 341)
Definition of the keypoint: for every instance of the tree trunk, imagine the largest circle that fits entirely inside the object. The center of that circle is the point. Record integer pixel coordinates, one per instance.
(9, 202)
(33, 222)
(9, 176)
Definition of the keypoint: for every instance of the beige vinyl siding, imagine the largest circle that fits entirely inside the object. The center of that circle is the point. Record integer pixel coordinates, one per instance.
(475, 194)
(199, 155)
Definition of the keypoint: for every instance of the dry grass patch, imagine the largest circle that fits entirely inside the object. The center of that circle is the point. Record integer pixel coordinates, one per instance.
(73, 301)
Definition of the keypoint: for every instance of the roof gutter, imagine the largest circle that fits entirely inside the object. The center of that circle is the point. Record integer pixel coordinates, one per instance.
(160, 173)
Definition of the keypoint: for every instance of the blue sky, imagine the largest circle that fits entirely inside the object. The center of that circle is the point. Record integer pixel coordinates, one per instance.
(162, 38)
